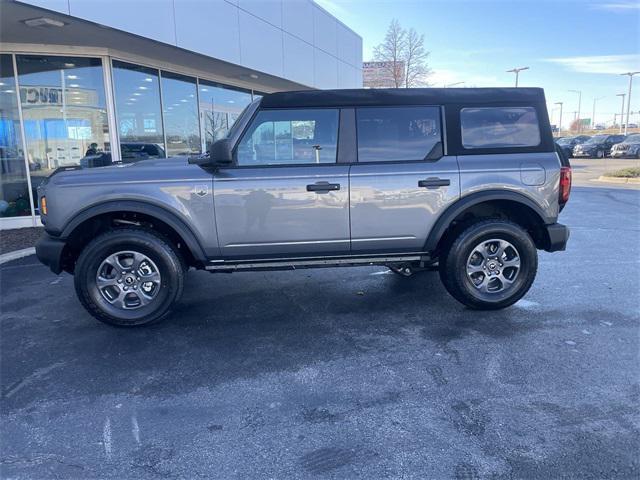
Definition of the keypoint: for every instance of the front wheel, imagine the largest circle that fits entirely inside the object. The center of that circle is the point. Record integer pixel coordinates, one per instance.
(129, 277)
(600, 154)
(490, 265)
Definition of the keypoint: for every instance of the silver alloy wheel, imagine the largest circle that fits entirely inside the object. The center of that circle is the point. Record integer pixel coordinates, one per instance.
(493, 266)
(128, 280)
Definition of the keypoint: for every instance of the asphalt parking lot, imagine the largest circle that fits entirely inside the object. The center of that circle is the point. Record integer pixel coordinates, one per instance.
(337, 373)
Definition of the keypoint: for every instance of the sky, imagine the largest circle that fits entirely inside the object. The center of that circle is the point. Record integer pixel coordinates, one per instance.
(568, 45)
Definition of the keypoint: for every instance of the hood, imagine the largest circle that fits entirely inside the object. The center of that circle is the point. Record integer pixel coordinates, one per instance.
(141, 171)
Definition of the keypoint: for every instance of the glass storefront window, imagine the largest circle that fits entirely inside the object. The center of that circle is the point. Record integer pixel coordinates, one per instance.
(180, 110)
(137, 99)
(14, 190)
(219, 109)
(64, 113)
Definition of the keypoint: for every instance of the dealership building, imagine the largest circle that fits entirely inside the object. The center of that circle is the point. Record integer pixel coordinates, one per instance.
(102, 81)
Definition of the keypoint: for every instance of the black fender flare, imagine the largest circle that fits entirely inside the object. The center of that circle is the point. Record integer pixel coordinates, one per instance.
(137, 206)
(476, 198)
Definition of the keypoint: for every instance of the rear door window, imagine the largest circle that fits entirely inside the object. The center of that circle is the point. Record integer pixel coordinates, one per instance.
(499, 127)
(398, 133)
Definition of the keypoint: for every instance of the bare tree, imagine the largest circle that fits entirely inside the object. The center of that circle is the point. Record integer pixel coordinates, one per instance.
(415, 58)
(391, 51)
(402, 58)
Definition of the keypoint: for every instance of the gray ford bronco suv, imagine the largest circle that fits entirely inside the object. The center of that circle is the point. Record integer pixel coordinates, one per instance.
(468, 180)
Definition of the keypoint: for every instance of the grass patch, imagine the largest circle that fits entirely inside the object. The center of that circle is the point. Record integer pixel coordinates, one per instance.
(633, 172)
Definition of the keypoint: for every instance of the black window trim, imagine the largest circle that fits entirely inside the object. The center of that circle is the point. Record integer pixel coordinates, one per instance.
(503, 147)
(454, 126)
(422, 160)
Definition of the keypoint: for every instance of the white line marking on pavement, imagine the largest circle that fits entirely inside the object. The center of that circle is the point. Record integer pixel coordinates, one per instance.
(106, 437)
(40, 372)
(15, 255)
(527, 304)
(135, 428)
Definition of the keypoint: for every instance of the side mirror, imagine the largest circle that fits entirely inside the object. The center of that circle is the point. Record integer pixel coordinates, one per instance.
(220, 154)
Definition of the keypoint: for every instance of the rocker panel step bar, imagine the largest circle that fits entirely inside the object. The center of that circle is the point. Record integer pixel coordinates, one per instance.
(293, 263)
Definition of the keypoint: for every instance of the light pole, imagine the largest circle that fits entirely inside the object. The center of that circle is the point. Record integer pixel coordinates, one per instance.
(452, 84)
(560, 122)
(593, 115)
(579, 92)
(621, 110)
(517, 72)
(630, 74)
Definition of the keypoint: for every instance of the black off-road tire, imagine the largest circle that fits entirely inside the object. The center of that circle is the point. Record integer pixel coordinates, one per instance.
(454, 258)
(147, 242)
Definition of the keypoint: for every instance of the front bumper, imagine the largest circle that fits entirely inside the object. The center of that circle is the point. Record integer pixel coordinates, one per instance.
(49, 251)
(584, 154)
(558, 237)
(625, 154)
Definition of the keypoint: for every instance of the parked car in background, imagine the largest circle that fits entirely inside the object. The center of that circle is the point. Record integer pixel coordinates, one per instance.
(100, 159)
(598, 146)
(133, 152)
(567, 143)
(630, 148)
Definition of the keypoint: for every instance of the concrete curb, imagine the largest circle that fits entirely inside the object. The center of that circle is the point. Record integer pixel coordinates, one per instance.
(16, 254)
(604, 178)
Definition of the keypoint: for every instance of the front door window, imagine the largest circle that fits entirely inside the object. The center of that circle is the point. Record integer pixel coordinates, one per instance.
(290, 137)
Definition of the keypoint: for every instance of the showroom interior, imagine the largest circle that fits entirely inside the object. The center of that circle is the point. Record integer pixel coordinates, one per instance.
(88, 90)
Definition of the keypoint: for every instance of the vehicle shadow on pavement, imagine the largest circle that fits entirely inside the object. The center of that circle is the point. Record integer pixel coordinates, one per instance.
(258, 323)
(387, 303)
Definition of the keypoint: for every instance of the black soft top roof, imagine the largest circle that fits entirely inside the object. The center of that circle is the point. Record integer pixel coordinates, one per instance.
(402, 96)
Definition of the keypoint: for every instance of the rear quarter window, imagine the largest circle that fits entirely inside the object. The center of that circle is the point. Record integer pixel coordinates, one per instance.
(499, 127)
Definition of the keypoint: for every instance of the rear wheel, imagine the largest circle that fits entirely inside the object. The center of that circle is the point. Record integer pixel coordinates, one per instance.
(490, 265)
(129, 277)
(600, 154)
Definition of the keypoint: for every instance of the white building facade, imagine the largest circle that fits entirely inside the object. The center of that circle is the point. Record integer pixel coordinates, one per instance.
(106, 81)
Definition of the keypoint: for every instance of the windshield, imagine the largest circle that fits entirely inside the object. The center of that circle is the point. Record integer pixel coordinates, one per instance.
(597, 139)
(240, 120)
(633, 138)
(565, 141)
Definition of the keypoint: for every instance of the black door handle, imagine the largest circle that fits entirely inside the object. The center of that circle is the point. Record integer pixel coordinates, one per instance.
(323, 187)
(434, 182)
